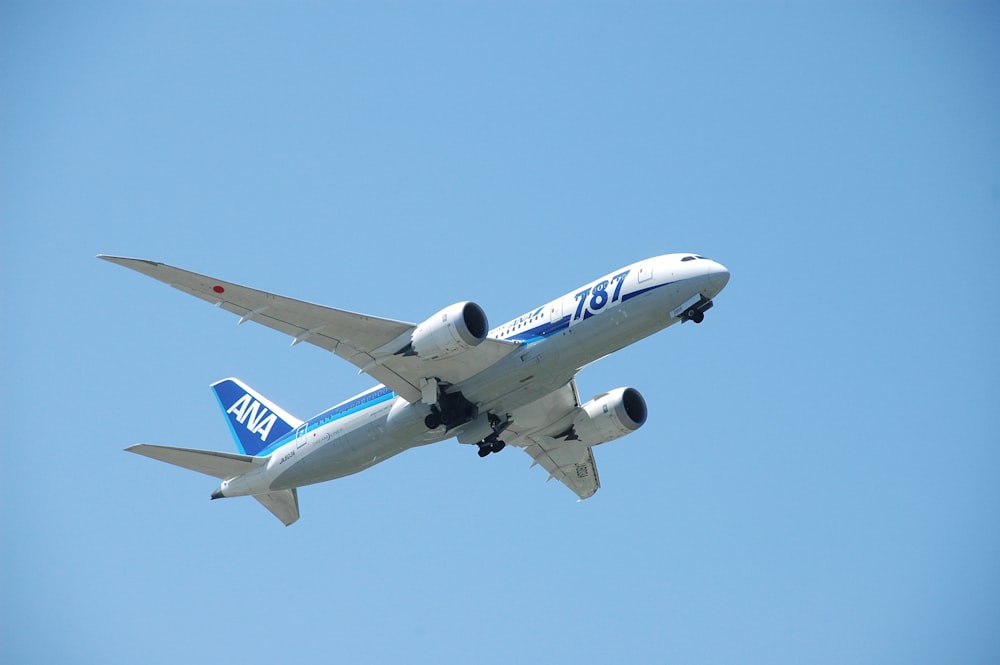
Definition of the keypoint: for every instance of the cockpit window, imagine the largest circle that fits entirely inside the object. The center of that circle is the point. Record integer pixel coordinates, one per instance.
(689, 258)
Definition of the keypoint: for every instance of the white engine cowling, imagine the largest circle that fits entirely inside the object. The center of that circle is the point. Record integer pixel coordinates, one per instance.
(610, 416)
(456, 328)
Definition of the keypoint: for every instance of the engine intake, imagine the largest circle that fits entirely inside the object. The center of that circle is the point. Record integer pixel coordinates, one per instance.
(456, 328)
(610, 416)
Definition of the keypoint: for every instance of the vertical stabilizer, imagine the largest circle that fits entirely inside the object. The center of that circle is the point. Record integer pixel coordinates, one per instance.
(255, 421)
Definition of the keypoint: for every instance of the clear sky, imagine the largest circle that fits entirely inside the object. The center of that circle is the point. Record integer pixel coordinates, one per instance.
(819, 478)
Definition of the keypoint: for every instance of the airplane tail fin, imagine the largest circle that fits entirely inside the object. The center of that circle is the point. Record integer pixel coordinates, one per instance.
(256, 424)
(255, 421)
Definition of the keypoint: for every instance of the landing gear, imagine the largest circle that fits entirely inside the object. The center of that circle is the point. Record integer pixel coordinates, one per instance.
(451, 410)
(696, 312)
(487, 448)
(493, 443)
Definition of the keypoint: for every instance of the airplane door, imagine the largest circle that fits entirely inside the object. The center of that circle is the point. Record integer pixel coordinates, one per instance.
(645, 272)
(300, 436)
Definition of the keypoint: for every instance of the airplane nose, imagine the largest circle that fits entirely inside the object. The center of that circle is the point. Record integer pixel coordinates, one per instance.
(719, 276)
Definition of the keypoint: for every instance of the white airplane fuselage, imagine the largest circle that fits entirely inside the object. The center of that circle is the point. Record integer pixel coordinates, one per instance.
(556, 341)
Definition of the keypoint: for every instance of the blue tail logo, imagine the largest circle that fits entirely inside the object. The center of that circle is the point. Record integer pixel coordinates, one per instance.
(255, 421)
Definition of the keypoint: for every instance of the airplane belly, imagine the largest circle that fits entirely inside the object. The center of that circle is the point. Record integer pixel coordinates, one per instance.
(352, 450)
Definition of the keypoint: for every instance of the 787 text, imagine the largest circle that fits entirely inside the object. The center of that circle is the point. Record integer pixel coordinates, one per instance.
(595, 298)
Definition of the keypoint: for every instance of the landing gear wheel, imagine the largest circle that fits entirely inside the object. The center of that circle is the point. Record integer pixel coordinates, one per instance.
(433, 420)
(497, 446)
(484, 451)
(697, 316)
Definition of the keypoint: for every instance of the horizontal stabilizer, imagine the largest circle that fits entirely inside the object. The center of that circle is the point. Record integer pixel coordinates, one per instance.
(283, 504)
(209, 462)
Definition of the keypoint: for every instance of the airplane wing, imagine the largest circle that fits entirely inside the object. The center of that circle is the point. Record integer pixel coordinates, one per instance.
(368, 342)
(570, 463)
(536, 428)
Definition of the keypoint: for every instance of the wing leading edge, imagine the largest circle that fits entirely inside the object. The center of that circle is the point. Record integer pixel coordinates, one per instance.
(368, 342)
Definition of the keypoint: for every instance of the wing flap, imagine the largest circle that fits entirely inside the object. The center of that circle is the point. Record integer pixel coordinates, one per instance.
(364, 341)
(569, 462)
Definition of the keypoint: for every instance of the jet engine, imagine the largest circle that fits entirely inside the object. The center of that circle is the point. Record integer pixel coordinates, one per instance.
(456, 328)
(610, 416)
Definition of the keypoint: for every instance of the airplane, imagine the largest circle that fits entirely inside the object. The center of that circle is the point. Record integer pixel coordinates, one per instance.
(449, 376)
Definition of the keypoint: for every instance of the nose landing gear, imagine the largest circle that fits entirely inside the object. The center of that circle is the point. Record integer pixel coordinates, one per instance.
(696, 312)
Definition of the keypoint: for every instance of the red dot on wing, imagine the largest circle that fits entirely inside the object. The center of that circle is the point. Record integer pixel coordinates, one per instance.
(218, 289)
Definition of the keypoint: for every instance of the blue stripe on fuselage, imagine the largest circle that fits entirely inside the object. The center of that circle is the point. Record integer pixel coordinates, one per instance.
(382, 394)
(629, 296)
(371, 398)
(539, 333)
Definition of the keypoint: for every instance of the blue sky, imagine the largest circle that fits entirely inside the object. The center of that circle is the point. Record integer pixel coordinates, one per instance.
(817, 481)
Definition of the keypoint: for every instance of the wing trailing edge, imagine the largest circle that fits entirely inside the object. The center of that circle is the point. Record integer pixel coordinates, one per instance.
(368, 342)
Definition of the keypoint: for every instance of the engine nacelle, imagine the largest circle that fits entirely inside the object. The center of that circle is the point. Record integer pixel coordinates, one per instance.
(453, 329)
(610, 416)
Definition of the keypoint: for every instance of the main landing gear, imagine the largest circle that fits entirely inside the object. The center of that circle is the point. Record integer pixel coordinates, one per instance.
(493, 443)
(453, 410)
(434, 419)
(487, 448)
